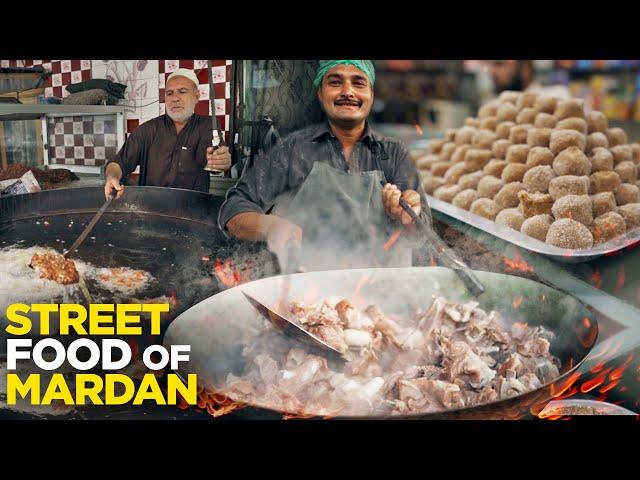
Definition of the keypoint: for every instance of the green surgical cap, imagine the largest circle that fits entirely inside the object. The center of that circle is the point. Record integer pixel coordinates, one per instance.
(325, 65)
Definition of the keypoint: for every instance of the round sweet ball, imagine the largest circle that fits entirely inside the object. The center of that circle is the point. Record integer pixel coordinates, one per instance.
(604, 182)
(569, 108)
(472, 122)
(537, 227)
(465, 134)
(513, 172)
(476, 158)
(447, 151)
(622, 153)
(526, 100)
(507, 197)
(510, 217)
(572, 161)
(458, 154)
(601, 159)
(489, 109)
(603, 202)
(484, 139)
(607, 226)
(545, 120)
(470, 180)
(447, 192)
(450, 134)
(545, 103)
(489, 123)
(440, 168)
(518, 153)
(573, 123)
(503, 129)
(568, 185)
(430, 184)
(537, 178)
(627, 193)
(539, 137)
(425, 162)
(500, 147)
(485, 207)
(631, 214)
(616, 136)
(596, 140)
(628, 171)
(526, 115)
(532, 204)
(507, 112)
(539, 156)
(518, 133)
(495, 167)
(563, 139)
(597, 122)
(465, 198)
(635, 153)
(509, 96)
(435, 146)
(567, 233)
(454, 173)
(576, 207)
(489, 186)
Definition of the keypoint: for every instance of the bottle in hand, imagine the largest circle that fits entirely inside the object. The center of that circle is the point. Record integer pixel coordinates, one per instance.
(215, 143)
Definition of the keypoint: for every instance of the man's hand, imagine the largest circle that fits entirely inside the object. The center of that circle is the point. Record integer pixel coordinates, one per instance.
(280, 233)
(219, 159)
(391, 196)
(113, 183)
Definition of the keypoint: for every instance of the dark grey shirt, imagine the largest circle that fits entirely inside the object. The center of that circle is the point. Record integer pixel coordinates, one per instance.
(285, 167)
(168, 159)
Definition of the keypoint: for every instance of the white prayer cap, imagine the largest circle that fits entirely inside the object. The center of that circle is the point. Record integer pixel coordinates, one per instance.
(185, 72)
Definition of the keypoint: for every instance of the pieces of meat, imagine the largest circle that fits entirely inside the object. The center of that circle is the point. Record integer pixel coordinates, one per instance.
(452, 355)
(54, 266)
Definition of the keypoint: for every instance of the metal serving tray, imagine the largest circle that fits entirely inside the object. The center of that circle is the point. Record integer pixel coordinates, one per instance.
(513, 236)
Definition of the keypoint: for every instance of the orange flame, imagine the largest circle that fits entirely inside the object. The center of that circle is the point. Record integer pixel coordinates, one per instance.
(598, 366)
(214, 403)
(516, 303)
(620, 279)
(392, 240)
(573, 378)
(227, 273)
(596, 278)
(609, 387)
(418, 129)
(595, 382)
(433, 263)
(517, 265)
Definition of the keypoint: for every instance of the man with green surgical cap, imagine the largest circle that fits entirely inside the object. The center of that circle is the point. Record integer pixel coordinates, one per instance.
(317, 196)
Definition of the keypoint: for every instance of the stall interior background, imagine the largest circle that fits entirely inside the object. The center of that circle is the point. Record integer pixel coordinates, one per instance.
(415, 99)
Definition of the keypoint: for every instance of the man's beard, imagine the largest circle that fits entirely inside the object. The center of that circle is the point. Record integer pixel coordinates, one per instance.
(181, 117)
(514, 85)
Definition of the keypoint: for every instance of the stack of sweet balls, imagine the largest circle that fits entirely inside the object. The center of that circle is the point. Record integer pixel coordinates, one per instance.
(539, 165)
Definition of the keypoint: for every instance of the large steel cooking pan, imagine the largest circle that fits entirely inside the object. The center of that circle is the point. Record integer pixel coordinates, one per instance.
(217, 327)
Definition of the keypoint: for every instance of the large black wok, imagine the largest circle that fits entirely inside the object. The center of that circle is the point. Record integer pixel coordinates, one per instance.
(217, 327)
(163, 231)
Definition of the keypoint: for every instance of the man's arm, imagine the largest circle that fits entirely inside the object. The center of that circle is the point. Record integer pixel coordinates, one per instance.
(242, 213)
(123, 163)
(406, 178)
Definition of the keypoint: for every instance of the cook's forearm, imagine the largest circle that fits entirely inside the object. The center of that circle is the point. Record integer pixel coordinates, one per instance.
(249, 226)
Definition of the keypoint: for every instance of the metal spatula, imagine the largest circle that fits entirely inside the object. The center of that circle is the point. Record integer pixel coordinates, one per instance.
(295, 331)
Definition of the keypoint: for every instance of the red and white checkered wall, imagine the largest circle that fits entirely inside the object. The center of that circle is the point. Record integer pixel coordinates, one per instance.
(67, 72)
